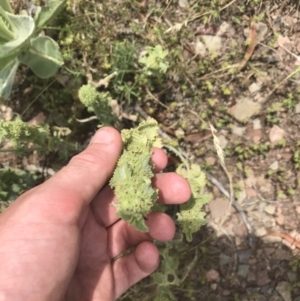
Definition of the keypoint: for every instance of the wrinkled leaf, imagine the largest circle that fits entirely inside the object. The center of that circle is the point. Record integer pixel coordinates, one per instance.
(6, 27)
(24, 28)
(43, 57)
(7, 76)
(49, 12)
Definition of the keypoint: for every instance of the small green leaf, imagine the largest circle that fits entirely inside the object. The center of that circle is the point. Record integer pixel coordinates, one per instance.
(7, 76)
(49, 12)
(23, 27)
(43, 57)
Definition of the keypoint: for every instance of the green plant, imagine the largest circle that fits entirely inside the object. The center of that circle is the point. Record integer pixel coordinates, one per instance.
(154, 59)
(25, 137)
(133, 187)
(132, 177)
(20, 42)
(14, 182)
(97, 102)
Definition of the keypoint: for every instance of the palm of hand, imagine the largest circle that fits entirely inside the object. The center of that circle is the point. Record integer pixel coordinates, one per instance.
(58, 240)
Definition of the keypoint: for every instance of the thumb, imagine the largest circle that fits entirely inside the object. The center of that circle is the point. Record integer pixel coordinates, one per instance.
(73, 187)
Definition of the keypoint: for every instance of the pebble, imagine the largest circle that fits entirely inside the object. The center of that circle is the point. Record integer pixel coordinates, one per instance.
(244, 255)
(274, 166)
(254, 88)
(270, 209)
(283, 288)
(276, 134)
(212, 275)
(256, 124)
(260, 231)
(280, 219)
(218, 207)
(183, 3)
(243, 270)
(297, 108)
(223, 141)
(239, 131)
(224, 259)
(262, 278)
(244, 109)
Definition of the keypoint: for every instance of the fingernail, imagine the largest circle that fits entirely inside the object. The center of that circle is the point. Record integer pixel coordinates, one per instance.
(102, 136)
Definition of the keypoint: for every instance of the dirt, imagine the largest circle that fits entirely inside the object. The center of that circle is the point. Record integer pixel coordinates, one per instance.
(239, 70)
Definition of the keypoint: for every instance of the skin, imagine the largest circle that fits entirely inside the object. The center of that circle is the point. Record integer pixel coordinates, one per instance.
(57, 241)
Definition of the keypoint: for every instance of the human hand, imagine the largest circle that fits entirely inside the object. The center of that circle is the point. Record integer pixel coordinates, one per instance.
(57, 241)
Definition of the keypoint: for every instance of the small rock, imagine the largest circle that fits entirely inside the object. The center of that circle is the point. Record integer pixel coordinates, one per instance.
(183, 3)
(292, 276)
(283, 288)
(239, 131)
(270, 209)
(274, 166)
(243, 270)
(254, 88)
(251, 192)
(297, 108)
(276, 134)
(280, 219)
(213, 43)
(212, 275)
(251, 277)
(244, 110)
(256, 135)
(262, 278)
(223, 141)
(244, 255)
(214, 286)
(226, 28)
(240, 230)
(262, 30)
(224, 259)
(260, 231)
(283, 41)
(218, 207)
(256, 124)
(200, 48)
(210, 160)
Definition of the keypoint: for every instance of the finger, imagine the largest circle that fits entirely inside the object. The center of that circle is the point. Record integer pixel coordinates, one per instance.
(173, 189)
(72, 188)
(122, 236)
(159, 159)
(135, 266)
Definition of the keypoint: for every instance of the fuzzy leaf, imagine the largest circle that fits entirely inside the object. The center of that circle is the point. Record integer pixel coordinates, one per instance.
(23, 27)
(7, 76)
(6, 26)
(43, 57)
(49, 12)
(132, 177)
(191, 216)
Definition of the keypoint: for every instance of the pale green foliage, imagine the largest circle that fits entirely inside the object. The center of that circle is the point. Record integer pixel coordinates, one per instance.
(88, 95)
(132, 177)
(20, 43)
(97, 102)
(155, 59)
(19, 132)
(191, 216)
